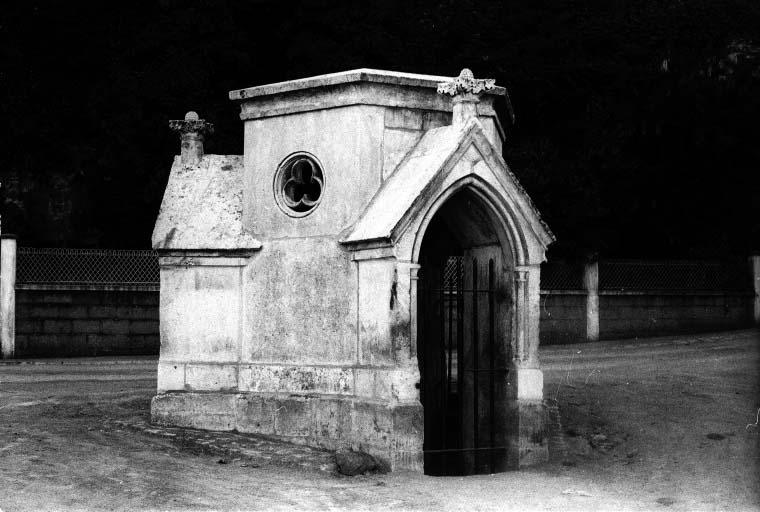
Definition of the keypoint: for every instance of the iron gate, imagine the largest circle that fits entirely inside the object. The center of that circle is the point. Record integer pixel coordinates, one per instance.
(463, 367)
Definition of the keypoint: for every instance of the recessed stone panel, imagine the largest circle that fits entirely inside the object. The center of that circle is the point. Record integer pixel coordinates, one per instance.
(299, 306)
(200, 313)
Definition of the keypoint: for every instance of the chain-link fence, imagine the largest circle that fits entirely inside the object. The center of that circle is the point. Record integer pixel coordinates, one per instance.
(86, 267)
(561, 276)
(140, 267)
(638, 275)
(687, 276)
(647, 275)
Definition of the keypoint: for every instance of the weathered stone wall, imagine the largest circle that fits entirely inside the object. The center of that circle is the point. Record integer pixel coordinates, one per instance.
(622, 315)
(68, 323)
(272, 347)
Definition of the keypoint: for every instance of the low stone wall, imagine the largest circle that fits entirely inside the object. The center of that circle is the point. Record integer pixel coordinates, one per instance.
(67, 323)
(623, 315)
(563, 317)
(639, 314)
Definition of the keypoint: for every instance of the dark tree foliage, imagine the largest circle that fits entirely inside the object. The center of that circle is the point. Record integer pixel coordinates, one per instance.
(636, 128)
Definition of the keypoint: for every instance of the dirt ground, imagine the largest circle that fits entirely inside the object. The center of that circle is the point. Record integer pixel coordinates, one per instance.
(649, 424)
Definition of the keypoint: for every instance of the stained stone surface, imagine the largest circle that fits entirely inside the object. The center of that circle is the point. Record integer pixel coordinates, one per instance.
(202, 207)
(304, 328)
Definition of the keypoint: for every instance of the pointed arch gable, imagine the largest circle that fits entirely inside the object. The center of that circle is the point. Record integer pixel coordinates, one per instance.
(448, 160)
(410, 243)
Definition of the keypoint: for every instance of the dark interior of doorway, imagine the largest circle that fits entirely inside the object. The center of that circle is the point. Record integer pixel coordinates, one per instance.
(462, 360)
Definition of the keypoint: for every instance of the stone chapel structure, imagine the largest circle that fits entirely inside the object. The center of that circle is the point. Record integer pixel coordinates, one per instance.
(365, 275)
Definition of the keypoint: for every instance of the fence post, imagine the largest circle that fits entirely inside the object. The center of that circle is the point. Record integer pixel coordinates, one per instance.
(7, 295)
(591, 284)
(755, 264)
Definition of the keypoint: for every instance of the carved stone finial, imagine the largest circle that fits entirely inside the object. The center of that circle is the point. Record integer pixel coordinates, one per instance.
(191, 123)
(465, 89)
(192, 131)
(466, 83)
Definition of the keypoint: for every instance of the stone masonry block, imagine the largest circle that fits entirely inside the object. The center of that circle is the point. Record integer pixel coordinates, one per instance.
(128, 312)
(171, 377)
(332, 422)
(528, 434)
(296, 379)
(76, 345)
(143, 326)
(55, 298)
(42, 312)
(255, 414)
(102, 312)
(107, 343)
(137, 312)
(25, 297)
(403, 118)
(294, 416)
(408, 420)
(86, 326)
(408, 428)
(74, 312)
(45, 343)
(149, 313)
(146, 299)
(115, 327)
(403, 385)
(56, 326)
(22, 345)
(435, 120)
(117, 298)
(211, 377)
(371, 424)
(88, 297)
(27, 326)
(208, 411)
(364, 382)
(149, 343)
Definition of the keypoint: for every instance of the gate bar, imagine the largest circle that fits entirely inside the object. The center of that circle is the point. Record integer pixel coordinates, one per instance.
(491, 340)
(442, 341)
(460, 349)
(475, 362)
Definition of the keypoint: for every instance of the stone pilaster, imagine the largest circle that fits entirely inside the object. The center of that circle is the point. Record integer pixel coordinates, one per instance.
(591, 284)
(754, 261)
(527, 380)
(8, 296)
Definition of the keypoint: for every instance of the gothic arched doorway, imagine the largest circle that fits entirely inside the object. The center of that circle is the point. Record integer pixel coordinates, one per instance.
(464, 320)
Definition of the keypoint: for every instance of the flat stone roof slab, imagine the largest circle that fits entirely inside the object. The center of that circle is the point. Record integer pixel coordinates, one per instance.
(344, 77)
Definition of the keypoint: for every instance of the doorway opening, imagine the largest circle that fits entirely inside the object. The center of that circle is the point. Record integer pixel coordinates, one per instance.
(464, 311)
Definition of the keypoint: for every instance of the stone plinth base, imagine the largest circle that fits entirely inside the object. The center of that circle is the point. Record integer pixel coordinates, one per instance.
(529, 439)
(392, 433)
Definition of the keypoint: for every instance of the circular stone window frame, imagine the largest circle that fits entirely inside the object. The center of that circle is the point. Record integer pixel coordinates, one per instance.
(279, 189)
